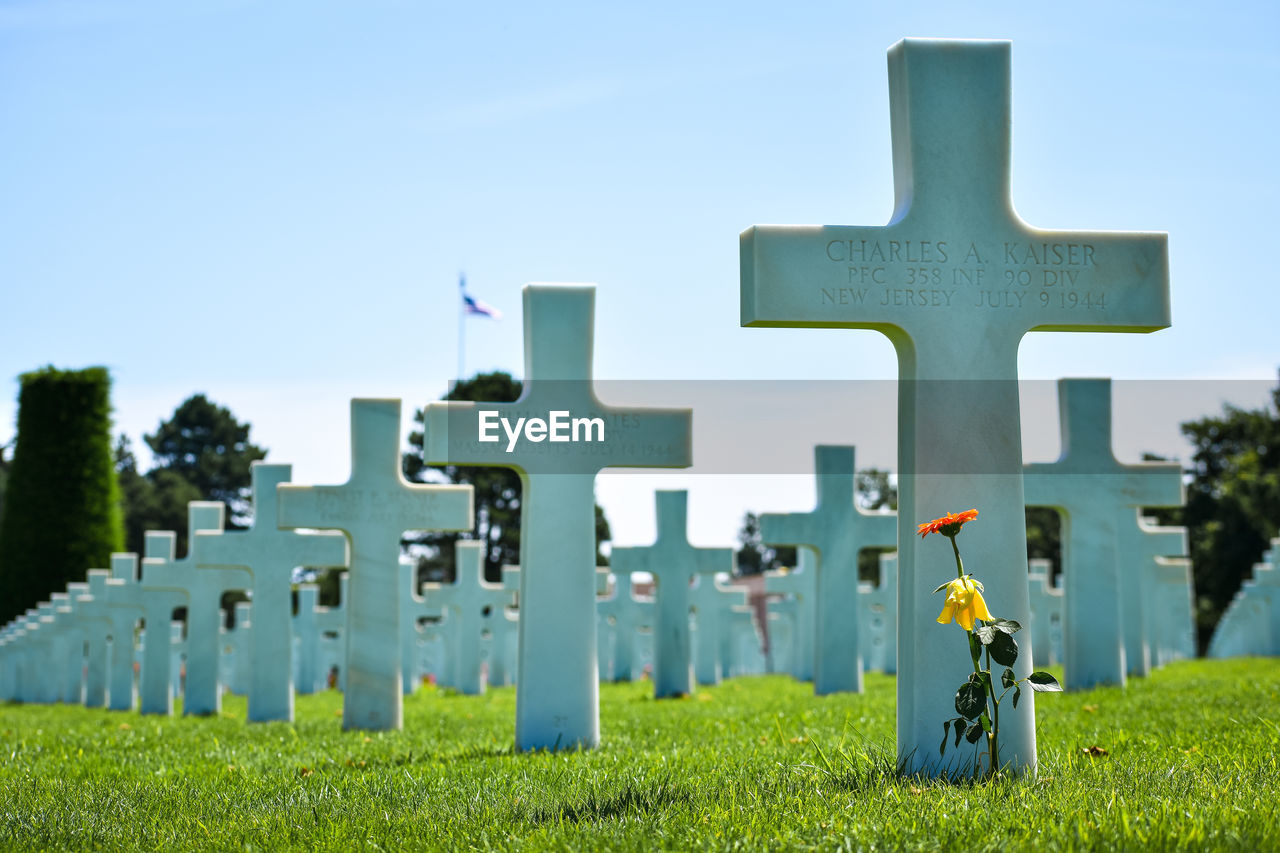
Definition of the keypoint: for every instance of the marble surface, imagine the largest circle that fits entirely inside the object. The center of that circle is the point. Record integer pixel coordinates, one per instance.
(673, 562)
(472, 604)
(835, 530)
(557, 691)
(126, 604)
(268, 555)
(957, 337)
(712, 597)
(1098, 498)
(374, 508)
(200, 591)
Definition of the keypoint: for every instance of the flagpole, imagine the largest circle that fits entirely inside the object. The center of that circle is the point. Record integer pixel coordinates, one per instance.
(462, 324)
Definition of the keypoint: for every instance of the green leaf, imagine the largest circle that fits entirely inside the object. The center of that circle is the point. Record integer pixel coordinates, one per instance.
(1043, 682)
(1008, 626)
(985, 634)
(946, 730)
(974, 732)
(1003, 649)
(1007, 679)
(960, 724)
(971, 700)
(941, 587)
(975, 649)
(1017, 694)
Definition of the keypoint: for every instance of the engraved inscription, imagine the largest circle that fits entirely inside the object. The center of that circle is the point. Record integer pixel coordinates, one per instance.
(942, 274)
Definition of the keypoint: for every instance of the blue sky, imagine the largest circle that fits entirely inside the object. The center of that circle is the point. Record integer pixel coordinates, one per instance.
(271, 203)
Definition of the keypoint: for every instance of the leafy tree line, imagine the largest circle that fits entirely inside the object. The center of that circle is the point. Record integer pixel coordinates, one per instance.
(1233, 502)
(202, 452)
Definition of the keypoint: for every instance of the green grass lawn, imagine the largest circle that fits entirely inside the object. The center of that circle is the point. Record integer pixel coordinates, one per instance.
(753, 764)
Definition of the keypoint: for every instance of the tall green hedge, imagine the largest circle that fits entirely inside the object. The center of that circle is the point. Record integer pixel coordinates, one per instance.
(61, 513)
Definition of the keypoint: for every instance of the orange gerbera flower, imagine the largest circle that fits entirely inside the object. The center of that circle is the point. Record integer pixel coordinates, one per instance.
(948, 525)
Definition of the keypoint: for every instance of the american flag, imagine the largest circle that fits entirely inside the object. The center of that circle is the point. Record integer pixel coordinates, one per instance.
(471, 305)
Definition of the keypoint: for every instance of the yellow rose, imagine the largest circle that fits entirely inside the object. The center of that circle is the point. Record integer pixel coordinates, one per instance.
(964, 603)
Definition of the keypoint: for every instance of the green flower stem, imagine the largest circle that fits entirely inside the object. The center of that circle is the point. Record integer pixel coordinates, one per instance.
(995, 721)
(959, 562)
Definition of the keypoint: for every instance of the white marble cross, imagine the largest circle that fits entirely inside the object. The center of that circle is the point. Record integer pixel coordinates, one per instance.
(204, 588)
(76, 628)
(780, 652)
(955, 281)
(712, 602)
(126, 604)
(879, 618)
(1174, 629)
(626, 613)
(1046, 611)
(557, 690)
(836, 530)
(1138, 542)
(374, 508)
(1095, 494)
(269, 555)
(307, 631)
(161, 595)
(97, 623)
(673, 562)
(801, 583)
(472, 602)
(333, 620)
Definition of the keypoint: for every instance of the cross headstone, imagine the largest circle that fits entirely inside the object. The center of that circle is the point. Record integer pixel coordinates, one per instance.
(374, 508)
(177, 654)
(1046, 609)
(745, 658)
(75, 629)
(471, 602)
(332, 623)
(673, 562)
(711, 601)
(801, 583)
(836, 530)
(269, 555)
(781, 649)
(955, 281)
(97, 639)
(307, 632)
(204, 588)
(557, 690)
(412, 608)
(1095, 495)
(1266, 588)
(240, 638)
(1138, 542)
(627, 613)
(1175, 630)
(504, 647)
(879, 618)
(126, 604)
(162, 593)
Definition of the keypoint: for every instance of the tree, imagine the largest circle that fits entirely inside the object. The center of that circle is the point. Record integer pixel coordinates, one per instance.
(61, 514)
(1233, 502)
(497, 494)
(154, 501)
(206, 446)
(754, 556)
